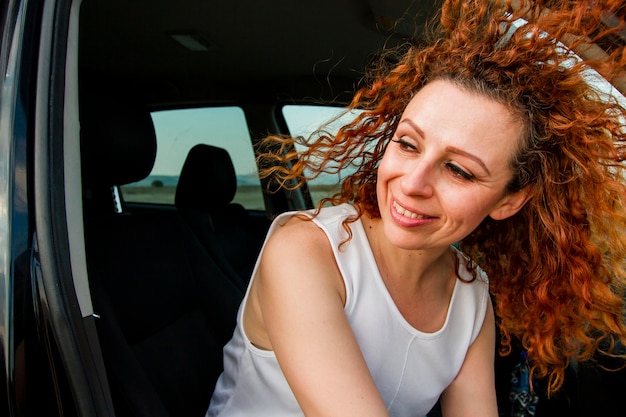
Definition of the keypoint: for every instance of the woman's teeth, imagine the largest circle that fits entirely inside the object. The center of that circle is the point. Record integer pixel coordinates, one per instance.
(406, 213)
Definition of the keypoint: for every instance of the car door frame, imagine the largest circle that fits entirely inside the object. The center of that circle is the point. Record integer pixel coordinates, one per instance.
(39, 112)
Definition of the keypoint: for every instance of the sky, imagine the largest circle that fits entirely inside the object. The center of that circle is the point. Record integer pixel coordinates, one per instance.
(179, 130)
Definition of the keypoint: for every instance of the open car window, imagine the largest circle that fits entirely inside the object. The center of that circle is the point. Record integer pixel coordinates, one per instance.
(178, 131)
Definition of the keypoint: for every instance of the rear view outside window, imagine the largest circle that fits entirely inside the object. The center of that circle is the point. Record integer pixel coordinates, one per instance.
(177, 132)
(304, 120)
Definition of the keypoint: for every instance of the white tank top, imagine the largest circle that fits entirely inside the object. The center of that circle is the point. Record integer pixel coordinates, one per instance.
(410, 368)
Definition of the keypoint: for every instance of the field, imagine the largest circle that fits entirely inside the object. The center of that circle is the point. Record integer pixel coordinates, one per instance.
(248, 196)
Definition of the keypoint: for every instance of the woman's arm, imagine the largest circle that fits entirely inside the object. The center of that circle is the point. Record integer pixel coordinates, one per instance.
(301, 297)
(473, 392)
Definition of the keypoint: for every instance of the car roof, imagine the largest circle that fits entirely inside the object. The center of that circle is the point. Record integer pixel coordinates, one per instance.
(251, 50)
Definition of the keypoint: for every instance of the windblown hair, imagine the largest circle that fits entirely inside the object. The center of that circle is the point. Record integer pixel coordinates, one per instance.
(557, 269)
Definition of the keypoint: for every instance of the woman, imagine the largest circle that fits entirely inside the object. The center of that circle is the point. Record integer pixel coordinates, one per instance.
(489, 137)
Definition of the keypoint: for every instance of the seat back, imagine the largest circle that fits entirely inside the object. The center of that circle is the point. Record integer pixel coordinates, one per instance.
(204, 196)
(166, 306)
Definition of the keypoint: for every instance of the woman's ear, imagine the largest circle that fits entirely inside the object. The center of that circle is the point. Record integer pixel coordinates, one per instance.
(510, 204)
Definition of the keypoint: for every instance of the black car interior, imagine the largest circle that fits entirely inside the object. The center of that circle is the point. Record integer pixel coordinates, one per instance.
(166, 305)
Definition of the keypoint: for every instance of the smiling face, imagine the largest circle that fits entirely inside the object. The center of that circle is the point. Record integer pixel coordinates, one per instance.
(447, 167)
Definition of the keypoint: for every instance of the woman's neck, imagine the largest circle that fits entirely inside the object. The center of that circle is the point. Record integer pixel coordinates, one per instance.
(409, 270)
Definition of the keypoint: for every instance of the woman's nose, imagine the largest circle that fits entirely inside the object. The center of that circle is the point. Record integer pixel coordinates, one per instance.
(418, 179)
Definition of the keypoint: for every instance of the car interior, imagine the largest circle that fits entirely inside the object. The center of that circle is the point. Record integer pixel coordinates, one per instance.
(173, 216)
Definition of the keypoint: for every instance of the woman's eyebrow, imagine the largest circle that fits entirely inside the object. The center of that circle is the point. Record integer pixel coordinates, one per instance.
(413, 126)
(451, 149)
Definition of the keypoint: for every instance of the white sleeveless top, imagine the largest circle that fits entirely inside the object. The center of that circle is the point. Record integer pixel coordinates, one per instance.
(410, 368)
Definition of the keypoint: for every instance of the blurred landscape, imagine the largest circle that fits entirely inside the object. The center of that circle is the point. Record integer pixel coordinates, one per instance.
(249, 196)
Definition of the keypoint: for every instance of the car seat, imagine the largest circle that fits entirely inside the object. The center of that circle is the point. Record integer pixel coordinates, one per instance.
(204, 196)
(166, 307)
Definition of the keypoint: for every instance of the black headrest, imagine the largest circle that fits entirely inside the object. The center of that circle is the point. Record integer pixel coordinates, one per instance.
(118, 142)
(207, 180)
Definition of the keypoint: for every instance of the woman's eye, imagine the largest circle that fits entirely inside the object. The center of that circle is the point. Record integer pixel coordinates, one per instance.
(404, 144)
(456, 170)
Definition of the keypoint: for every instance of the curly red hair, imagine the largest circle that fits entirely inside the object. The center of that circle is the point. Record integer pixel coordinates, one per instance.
(557, 268)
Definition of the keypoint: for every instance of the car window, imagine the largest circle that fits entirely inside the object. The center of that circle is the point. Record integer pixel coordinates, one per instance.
(306, 120)
(179, 130)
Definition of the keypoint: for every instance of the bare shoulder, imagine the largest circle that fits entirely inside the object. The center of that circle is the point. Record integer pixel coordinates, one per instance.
(299, 231)
(298, 245)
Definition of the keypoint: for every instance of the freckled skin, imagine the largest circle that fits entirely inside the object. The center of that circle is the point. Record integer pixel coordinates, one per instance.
(447, 167)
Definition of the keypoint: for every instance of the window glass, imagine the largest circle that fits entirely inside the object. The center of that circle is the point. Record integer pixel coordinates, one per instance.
(305, 120)
(177, 131)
